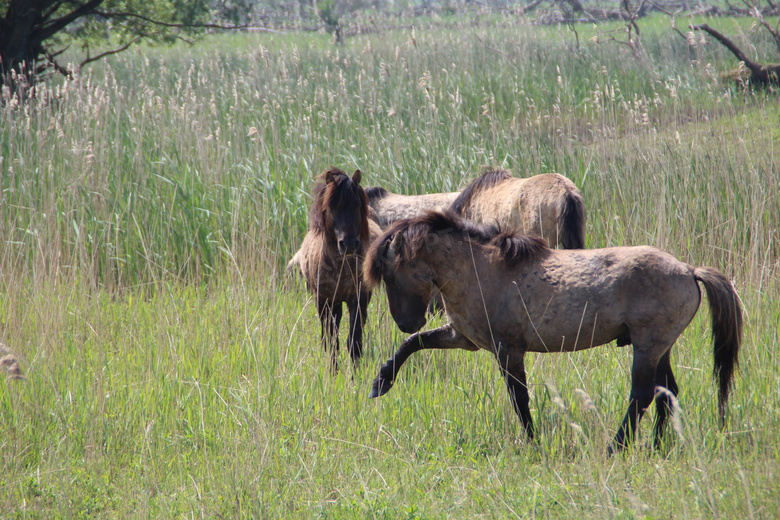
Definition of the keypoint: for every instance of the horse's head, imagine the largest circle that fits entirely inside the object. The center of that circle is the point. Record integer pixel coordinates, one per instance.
(341, 210)
(408, 280)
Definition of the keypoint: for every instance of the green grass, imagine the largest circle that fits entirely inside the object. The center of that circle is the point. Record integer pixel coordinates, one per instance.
(148, 209)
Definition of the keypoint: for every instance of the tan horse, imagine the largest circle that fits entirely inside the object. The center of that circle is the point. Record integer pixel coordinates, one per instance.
(387, 207)
(330, 258)
(510, 294)
(548, 205)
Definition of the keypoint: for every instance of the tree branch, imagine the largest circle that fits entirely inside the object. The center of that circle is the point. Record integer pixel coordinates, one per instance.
(55, 26)
(775, 34)
(111, 14)
(52, 9)
(531, 5)
(109, 53)
(736, 51)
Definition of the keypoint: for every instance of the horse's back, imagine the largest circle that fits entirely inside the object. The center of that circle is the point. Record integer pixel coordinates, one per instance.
(532, 206)
(578, 299)
(392, 206)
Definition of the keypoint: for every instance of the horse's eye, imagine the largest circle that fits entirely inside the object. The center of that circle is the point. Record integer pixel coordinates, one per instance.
(420, 277)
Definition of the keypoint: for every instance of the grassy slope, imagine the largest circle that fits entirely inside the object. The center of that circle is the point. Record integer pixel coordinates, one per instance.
(149, 396)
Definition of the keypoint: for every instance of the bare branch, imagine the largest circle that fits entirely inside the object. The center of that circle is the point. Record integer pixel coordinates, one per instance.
(59, 68)
(109, 53)
(55, 26)
(110, 14)
(775, 34)
(530, 6)
(736, 51)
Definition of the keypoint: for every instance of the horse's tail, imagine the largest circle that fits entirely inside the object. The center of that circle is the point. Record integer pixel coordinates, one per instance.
(726, 314)
(571, 221)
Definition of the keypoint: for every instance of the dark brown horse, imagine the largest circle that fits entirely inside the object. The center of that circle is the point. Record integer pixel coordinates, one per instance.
(510, 294)
(330, 258)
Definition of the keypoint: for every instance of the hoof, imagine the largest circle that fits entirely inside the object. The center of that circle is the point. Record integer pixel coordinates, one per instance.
(615, 448)
(380, 387)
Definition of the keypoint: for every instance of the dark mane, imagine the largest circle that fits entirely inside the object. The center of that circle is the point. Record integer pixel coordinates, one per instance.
(334, 193)
(434, 227)
(485, 181)
(376, 193)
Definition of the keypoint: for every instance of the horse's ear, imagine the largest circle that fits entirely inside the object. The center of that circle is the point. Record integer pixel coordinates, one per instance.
(356, 177)
(329, 176)
(394, 249)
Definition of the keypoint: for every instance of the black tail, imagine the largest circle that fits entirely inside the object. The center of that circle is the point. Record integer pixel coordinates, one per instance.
(726, 314)
(571, 222)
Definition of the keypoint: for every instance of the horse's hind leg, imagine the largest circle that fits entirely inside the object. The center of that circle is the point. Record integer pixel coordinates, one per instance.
(642, 392)
(357, 319)
(663, 400)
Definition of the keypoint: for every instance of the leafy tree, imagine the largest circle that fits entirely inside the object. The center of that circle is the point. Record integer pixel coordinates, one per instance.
(331, 12)
(33, 33)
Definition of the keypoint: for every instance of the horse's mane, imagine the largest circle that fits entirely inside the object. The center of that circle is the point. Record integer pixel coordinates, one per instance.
(333, 196)
(376, 193)
(417, 234)
(486, 180)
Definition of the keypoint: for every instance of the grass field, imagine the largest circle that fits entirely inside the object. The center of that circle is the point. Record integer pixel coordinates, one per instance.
(148, 209)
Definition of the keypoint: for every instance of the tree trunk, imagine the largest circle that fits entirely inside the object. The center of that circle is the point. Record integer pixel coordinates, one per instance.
(18, 50)
(759, 74)
(24, 28)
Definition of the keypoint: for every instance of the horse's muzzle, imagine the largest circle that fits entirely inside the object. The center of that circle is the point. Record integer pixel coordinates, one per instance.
(348, 246)
(411, 326)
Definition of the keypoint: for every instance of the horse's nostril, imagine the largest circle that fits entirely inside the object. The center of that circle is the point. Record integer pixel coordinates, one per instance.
(348, 244)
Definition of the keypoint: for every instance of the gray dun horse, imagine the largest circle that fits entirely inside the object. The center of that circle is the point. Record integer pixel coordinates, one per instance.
(510, 294)
(331, 256)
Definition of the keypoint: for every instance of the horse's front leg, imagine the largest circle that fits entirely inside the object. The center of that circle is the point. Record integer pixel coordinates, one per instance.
(512, 363)
(444, 337)
(357, 319)
(330, 318)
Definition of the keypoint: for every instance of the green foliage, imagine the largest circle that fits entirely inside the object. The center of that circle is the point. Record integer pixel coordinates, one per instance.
(93, 30)
(326, 9)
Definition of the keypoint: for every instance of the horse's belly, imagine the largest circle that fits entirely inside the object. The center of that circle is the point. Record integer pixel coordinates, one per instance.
(577, 340)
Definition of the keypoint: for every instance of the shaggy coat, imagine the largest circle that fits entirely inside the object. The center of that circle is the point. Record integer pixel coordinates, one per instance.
(388, 207)
(510, 294)
(548, 205)
(331, 255)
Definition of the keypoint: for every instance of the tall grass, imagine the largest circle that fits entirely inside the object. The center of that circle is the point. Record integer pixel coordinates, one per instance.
(175, 164)
(148, 208)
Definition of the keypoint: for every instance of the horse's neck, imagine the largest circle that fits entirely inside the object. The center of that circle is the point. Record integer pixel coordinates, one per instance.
(456, 269)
